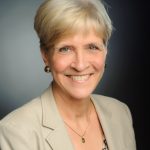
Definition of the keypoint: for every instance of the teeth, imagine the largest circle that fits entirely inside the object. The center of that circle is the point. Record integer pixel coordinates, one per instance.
(80, 78)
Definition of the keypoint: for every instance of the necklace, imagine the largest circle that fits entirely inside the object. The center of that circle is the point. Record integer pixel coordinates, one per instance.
(80, 135)
(105, 145)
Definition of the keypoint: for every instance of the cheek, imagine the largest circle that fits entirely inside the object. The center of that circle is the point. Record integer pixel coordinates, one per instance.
(59, 64)
(99, 63)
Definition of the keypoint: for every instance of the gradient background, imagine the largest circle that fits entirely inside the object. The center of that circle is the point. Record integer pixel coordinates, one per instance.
(21, 67)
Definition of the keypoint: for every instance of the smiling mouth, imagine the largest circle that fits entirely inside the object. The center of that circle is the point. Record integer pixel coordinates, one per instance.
(80, 78)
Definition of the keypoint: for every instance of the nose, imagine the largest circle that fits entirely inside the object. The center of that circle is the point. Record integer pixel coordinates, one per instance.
(80, 61)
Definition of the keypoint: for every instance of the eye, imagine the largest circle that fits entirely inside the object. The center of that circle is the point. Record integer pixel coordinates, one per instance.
(96, 47)
(64, 49)
(93, 47)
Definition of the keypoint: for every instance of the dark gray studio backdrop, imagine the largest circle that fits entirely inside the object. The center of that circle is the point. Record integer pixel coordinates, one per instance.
(21, 67)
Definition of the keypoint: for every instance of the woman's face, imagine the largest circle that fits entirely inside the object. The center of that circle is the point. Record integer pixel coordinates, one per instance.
(77, 64)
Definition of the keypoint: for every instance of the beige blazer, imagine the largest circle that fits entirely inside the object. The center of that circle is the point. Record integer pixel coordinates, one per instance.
(39, 126)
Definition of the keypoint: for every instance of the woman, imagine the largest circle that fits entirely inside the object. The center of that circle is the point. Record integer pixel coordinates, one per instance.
(73, 39)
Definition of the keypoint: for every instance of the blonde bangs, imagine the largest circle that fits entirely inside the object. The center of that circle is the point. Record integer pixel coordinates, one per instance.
(80, 23)
(69, 17)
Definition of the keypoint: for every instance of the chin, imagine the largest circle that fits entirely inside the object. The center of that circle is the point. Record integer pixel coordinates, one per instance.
(80, 93)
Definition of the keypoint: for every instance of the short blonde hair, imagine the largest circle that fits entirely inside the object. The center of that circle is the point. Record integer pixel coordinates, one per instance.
(56, 19)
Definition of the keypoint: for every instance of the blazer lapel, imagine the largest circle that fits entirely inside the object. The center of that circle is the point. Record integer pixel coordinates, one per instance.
(110, 127)
(56, 135)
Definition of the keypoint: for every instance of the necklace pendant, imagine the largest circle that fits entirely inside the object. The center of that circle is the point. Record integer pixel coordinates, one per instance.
(83, 140)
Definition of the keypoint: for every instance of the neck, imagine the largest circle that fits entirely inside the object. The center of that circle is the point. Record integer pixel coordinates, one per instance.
(71, 108)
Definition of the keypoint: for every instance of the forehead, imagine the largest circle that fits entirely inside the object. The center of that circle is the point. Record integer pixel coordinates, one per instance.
(80, 36)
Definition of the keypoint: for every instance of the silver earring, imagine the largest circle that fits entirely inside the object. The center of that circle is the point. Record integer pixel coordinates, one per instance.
(47, 69)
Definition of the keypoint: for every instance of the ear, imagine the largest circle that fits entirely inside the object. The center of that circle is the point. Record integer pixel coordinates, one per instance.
(45, 57)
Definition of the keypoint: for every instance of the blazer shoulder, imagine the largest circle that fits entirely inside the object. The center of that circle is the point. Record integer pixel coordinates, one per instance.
(113, 105)
(21, 129)
(105, 100)
(24, 115)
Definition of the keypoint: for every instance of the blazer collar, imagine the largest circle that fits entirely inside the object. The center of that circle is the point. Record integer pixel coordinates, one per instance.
(52, 120)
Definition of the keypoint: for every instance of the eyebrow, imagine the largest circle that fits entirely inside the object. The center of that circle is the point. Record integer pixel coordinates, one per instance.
(99, 45)
(95, 43)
